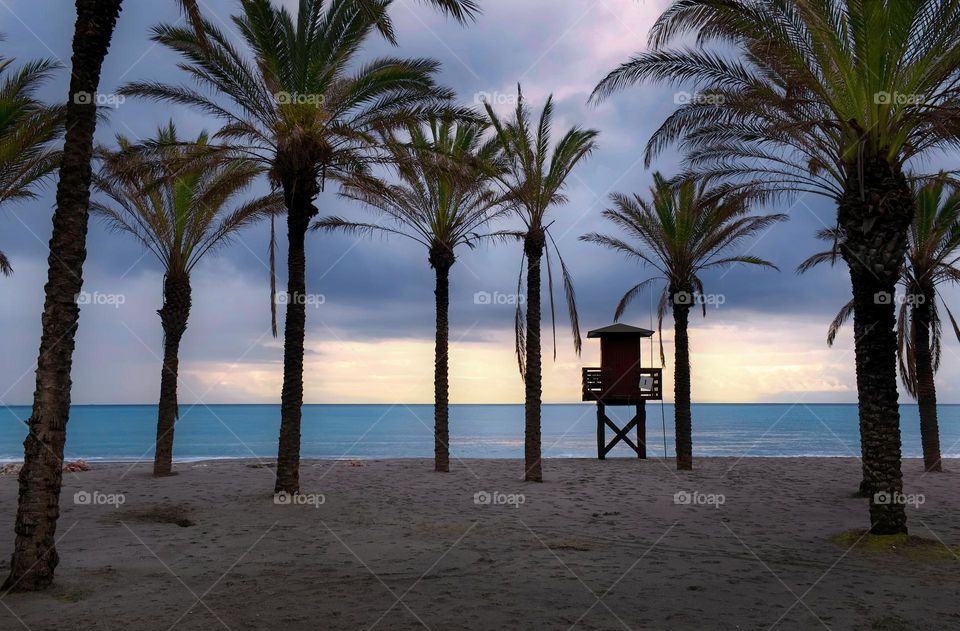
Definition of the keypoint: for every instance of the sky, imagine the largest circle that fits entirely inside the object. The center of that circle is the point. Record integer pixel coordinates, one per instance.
(370, 326)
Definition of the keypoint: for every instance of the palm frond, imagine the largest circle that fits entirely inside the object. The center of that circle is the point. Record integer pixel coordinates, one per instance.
(838, 321)
(29, 130)
(520, 338)
(5, 268)
(628, 297)
(680, 229)
(570, 295)
(272, 255)
(533, 175)
(179, 199)
(791, 95)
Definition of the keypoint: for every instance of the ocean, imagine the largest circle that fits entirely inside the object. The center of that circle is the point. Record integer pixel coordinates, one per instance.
(127, 432)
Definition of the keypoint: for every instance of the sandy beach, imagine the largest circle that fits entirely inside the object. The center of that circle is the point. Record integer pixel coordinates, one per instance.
(748, 544)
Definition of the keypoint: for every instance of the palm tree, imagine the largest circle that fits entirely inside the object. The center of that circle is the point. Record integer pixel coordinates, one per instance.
(34, 555)
(684, 229)
(831, 97)
(296, 101)
(442, 197)
(180, 201)
(532, 183)
(27, 127)
(933, 246)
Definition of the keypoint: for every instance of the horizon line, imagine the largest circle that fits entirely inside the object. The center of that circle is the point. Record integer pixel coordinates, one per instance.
(520, 403)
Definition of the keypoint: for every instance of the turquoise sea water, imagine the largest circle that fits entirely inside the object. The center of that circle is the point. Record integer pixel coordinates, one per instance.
(126, 432)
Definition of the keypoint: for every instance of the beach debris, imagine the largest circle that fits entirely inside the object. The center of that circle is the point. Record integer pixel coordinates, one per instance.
(570, 544)
(173, 514)
(899, 545)
(75, 466)
(70, 597)
(11, 468)
(356, 463)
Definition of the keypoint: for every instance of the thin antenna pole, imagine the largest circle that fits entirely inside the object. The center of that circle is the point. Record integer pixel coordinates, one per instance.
(663, 424)
(663, 414)
(651, 326)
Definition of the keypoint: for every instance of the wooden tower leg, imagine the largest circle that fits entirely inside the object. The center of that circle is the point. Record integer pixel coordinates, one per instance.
(601, 426)
(642, 429)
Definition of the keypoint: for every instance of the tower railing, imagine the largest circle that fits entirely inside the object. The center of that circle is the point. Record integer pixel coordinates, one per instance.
(598, 386)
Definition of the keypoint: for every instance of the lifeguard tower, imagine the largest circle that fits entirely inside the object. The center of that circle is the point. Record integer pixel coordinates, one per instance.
(621, 379)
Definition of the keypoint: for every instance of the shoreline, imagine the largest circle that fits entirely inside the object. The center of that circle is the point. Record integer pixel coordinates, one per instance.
(430, 404)
(108, 460)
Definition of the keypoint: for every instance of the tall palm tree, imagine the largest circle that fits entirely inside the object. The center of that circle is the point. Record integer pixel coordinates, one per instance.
(180, 201)
(532, 183)
(832, 97)
(27, 129)
(933, 248)
(295, 99)
(34, 555)
(442, 197)
(684, 229)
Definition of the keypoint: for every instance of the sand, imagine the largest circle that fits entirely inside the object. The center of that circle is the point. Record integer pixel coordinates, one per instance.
(392, 545)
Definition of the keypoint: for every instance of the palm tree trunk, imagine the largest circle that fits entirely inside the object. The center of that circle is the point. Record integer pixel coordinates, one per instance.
(874, 215)
(926, 387)
(173, 318)
(533, 247)
(299, 195)
(683, 425)
(34, 555)
(441, 259)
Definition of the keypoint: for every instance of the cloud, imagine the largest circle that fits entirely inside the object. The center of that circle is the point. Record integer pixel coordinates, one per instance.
(372, 337)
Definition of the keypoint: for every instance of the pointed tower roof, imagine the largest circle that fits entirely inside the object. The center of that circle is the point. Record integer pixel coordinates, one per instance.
(620, 329)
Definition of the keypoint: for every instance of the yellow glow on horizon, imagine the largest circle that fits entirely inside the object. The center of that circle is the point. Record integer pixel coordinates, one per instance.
(782, 360)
